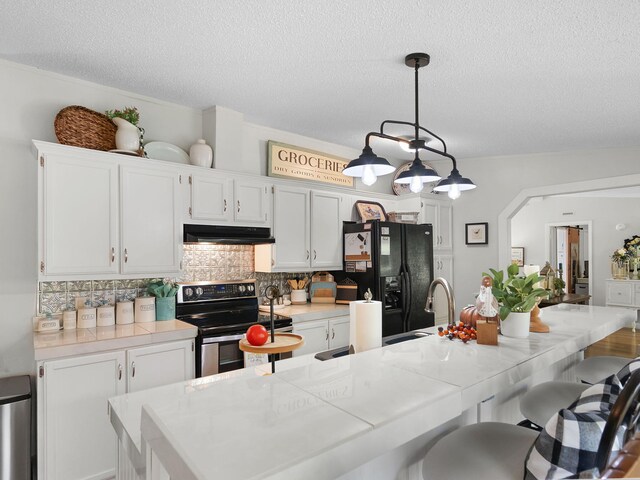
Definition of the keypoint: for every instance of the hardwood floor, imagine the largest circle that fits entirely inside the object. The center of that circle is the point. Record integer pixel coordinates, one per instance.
(623, 343)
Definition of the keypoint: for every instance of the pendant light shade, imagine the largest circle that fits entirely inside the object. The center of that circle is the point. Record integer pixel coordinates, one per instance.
(454, 184)
(417, 175)
(369, 166)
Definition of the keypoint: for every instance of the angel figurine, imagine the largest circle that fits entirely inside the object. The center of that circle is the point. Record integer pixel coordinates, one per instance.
(486, 304)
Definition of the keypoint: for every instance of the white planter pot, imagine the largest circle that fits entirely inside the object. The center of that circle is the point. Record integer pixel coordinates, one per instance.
(516, 325)
(127, 135)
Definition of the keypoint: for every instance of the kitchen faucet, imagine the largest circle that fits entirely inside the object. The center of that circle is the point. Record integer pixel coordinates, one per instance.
(448, 291)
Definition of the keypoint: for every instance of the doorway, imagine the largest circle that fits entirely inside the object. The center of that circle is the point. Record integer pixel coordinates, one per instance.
(569, 252)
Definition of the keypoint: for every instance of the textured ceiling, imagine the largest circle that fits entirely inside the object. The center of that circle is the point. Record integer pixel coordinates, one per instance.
(506, 77)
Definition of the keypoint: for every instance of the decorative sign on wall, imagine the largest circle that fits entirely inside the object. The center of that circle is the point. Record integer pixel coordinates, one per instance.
(288, 161)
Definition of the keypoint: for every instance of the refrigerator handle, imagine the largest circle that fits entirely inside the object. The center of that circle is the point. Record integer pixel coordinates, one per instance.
(407, 310)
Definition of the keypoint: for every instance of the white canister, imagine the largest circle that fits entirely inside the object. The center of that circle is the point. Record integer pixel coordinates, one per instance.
(298, 297)
(106, 316)
(86, 317)
(69, 319)
(124, 312)
(201, 154)
(145, 308)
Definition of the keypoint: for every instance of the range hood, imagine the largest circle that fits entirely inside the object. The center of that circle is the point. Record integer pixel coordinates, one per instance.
(227, 235)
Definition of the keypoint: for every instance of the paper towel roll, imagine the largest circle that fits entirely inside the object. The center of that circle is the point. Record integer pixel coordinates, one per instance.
(365, 328)
(529, 269)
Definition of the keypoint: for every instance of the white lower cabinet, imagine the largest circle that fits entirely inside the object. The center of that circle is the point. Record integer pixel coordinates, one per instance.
(75, 437)
(321, 335)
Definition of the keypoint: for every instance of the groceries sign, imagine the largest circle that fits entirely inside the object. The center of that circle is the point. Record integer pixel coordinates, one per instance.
(288, 161)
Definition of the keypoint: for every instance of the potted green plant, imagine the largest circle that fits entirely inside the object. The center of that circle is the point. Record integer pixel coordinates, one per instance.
(128, 133)
(165, 292)
(516, 295)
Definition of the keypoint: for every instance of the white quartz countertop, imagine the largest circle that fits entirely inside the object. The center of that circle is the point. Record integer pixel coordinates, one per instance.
(82, 341)
(335, 415)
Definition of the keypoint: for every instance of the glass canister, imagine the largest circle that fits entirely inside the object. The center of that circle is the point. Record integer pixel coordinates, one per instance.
(620, 270)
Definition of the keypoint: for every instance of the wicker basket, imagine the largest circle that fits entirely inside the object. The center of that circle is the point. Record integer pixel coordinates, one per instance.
(82, 127)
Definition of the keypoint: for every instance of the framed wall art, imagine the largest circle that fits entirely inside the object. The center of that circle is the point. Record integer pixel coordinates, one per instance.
(476, 233)
(370, 211)
(517, 256)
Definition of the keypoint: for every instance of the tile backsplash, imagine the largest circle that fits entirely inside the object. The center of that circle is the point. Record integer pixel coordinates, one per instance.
(53, 297)
(200, 262)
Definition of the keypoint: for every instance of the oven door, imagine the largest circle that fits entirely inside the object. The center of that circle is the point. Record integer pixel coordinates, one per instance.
(219, 354)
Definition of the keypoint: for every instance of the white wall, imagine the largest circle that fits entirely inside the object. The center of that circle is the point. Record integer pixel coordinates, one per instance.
(528, 230)
(500, 180)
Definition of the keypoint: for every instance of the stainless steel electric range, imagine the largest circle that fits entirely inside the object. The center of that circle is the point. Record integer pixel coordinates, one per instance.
(223, 311)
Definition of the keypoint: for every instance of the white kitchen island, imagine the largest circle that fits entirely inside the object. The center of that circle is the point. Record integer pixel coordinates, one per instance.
(351, 416)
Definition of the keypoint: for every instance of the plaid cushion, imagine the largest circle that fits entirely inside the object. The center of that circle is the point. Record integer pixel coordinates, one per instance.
(598, 397)
(626, 371)
(568, 444)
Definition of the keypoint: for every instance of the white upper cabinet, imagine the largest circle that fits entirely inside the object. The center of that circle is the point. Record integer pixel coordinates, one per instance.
(326, 230)
(101, 214)
(78, 211)
(210, 198)
(307, 226)
(149, 220)
(291, 227)
(439, 214)
(251, 202)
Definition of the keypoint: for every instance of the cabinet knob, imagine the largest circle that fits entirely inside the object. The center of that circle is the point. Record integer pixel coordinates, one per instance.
(126, 256)
(327, 336)
(133, 369)
(315, 255)
(225, 205)
(113, 254)
(119, 371)
(238, 206)
(333, 333)
(308, 258)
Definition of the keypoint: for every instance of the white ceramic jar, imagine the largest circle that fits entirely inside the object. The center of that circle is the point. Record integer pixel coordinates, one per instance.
(69, 319)
(201, 154)
(298, 297)
(106, 316)
(145, 308)
(124, 312)
(86, 317)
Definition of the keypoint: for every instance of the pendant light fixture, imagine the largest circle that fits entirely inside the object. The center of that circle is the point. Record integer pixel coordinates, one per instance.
(369, 166)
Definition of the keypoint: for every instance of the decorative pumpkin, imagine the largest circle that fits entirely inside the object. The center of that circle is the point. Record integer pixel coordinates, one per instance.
(469, 315)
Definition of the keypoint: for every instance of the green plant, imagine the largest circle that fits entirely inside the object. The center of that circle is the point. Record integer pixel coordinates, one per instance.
(163, 288)
(515, 294)
(130, 114)
(558, 285)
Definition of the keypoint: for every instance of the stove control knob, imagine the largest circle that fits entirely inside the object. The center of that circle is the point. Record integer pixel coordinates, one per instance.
(199, 291)
(188, 292)
(241, 288)
(251, 288)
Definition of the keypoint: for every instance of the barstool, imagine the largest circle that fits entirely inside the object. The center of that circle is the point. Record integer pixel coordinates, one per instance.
(496, 451)
(593, 369)
(541, 402)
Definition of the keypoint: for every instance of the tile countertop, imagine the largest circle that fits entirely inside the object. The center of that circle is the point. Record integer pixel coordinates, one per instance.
(311, 311)
(336, 415)
(81, 341)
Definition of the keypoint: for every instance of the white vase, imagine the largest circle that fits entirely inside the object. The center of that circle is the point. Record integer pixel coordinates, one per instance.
(201, 154)
(127, 135)
(516, 325)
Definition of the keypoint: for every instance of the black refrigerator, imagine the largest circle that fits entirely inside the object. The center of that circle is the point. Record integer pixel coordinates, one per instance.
(395, 261)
